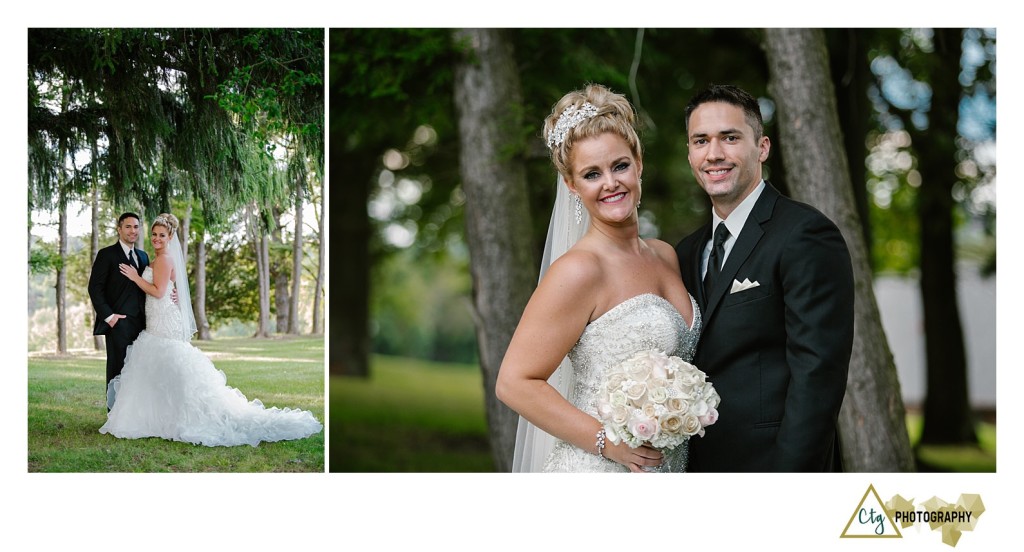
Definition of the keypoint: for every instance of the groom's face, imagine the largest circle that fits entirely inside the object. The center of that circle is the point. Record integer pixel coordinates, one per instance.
(724, 153)
(128, 230)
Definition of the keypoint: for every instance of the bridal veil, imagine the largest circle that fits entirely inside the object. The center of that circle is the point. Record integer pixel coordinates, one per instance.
(533, 445)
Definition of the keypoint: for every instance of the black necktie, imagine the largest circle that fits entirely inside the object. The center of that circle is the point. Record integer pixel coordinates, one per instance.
(131, 259)
(715, 260)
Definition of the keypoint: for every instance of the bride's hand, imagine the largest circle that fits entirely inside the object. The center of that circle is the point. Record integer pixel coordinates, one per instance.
(129, 271)
(636, 459)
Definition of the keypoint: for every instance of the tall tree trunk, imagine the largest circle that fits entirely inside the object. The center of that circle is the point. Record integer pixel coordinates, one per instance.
(62, 275)
(872, 421)
(318, 320)
(185, 221)
(94, 242)
(947, 410)
(349, 306)
(280, 275)
(488, 105)
(261, 246)
(851, 75)
(199, 298)
(293, 309)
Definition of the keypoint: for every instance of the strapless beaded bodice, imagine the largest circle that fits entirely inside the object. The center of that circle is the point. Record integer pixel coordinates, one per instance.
(641, 323)
(163, 317)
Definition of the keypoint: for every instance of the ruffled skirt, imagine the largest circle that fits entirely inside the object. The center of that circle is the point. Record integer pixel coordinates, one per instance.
(170, 389)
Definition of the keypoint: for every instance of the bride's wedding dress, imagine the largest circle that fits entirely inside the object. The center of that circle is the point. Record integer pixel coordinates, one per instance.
(641, 323)
(170, 389)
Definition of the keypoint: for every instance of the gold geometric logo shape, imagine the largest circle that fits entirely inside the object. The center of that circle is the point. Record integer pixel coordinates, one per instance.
(871, 520)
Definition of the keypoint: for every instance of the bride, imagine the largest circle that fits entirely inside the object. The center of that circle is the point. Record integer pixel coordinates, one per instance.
(169, 388)
(609, 296)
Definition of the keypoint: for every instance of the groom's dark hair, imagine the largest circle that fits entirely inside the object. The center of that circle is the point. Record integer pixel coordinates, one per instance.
(128, 214)
(733, 95)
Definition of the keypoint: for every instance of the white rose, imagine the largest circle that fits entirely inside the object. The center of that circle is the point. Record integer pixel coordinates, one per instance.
(617, 398)
(643, 428)
(650, 410)
(636, 390)
(711, 395)
(686, 379)
(638, 370)
(619, 415)
(658, 394)
(614, 381)
(699, 407)
(672, 424)
(691, 424)
(661, 365)
(677, 404)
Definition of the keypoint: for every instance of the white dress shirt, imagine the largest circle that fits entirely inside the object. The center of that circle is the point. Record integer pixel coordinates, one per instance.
(737, 218)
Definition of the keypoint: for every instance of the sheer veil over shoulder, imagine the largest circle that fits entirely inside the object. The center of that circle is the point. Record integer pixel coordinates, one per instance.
(181, 285)
(533, 445)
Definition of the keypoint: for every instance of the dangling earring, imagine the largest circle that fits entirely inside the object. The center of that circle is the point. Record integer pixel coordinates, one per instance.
(579, 208)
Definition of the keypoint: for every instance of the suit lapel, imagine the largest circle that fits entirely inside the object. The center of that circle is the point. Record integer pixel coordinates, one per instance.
(744, 246)
(696, 257)
(138, 261)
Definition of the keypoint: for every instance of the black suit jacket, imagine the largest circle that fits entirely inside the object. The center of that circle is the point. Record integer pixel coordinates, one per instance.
(111, 292)
(778, 353)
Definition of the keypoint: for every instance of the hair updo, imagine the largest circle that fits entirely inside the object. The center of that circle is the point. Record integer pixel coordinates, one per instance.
(614, 114)
(168, 221)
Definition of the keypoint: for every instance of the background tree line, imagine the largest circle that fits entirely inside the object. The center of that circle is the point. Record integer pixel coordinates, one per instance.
(436, 142)
(222, 127)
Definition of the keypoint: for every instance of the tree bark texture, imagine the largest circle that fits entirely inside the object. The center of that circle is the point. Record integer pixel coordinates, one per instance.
(261, 247)
(488, 103)
(872, 421)
(318, 320)
(62, 278)
(293, 309)
(279, 273)
(98, 342)
(852, 77)
(199, 296)
(948, 418)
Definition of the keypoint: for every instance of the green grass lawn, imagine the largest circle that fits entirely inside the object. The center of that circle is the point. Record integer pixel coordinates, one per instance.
(419, 416)
(410, 416)
(66, 407)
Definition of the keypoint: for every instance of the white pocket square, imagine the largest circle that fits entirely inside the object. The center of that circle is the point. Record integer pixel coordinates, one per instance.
(738, 286)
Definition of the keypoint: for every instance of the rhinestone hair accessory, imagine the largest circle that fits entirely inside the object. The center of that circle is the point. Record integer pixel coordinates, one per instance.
(166, 222)
(568, 120)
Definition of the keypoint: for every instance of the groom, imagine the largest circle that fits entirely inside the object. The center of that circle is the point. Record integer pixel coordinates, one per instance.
(119, 303)
(774, 282)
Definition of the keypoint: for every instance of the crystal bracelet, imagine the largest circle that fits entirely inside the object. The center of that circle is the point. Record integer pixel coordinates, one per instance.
(600, 442)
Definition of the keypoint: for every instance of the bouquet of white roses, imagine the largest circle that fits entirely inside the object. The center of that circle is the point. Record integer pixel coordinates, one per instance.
(658, 399)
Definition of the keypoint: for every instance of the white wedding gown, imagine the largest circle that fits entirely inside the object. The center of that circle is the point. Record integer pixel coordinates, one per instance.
(170, 389)
(641, 323)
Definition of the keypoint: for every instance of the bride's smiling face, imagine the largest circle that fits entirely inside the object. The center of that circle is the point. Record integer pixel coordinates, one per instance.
(159, 236)
(606, 175)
